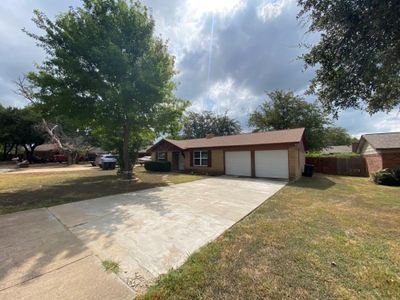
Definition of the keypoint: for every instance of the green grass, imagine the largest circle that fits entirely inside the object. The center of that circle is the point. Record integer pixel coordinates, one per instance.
(110, 266)
(325, 237)
(22, 191)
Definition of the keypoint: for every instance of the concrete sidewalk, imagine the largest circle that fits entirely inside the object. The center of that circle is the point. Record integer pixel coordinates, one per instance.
(41, 259)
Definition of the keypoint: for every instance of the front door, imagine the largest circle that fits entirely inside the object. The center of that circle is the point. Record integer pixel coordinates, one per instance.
(175, 161)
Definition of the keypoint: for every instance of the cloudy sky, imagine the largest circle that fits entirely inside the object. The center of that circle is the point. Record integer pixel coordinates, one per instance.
(228, 52)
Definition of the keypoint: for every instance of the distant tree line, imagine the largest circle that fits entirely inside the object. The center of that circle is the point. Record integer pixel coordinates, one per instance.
(281, 110)
(20, 128)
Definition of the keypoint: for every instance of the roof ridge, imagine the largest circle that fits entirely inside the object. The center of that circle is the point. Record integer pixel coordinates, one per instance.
(375, 133)
(244, 133)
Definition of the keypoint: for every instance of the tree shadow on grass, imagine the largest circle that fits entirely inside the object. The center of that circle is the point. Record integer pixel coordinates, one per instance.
(317, 182)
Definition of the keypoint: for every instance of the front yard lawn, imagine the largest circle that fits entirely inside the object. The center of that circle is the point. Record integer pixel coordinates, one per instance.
(21, 191)
(325, 237)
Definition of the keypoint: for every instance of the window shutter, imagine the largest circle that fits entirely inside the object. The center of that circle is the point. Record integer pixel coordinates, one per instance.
(191, 158)
(209, 158)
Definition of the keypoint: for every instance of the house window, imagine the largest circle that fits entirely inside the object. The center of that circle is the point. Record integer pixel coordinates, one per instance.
(200, 158)
(162, 156)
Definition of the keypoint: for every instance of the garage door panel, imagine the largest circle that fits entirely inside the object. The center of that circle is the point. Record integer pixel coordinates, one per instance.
(238, 163)
(272, 163)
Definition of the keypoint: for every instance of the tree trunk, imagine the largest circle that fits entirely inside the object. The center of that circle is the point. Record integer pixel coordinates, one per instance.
(29, 152)
(4, 151)
(127, 168)
(69, 157)
(75, 159)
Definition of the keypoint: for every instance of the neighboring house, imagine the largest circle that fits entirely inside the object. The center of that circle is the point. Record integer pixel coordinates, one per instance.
(46, 151)
(272, 154)
(340, 149)
(380, 150)
(337, 149)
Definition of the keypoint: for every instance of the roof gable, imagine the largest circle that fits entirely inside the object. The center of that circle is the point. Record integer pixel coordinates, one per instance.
(388, 140)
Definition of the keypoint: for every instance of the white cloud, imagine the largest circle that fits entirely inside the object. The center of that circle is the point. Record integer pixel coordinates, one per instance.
(268, 10)
(225, 97)
(388, 122)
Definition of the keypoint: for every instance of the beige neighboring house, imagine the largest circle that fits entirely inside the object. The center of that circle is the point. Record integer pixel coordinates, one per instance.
(46, 151)
(272, 154)
(337, 149)
(380, 150)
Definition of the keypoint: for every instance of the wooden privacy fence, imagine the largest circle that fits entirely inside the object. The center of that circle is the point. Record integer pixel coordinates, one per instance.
(352, 166)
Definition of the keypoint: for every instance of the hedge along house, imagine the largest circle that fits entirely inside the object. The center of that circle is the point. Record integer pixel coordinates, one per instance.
(272, 154)
(380, 150)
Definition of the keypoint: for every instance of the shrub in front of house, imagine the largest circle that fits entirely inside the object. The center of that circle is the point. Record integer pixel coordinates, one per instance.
(387, 177)
(158, 166)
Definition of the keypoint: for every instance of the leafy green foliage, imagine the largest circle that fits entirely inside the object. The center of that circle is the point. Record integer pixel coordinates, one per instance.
(337, 136)
(158, 166)
(387, 177)
(20, 127)
(317, 154)
(358, 56)
(106, 70)
(198, 125)
(284, 110)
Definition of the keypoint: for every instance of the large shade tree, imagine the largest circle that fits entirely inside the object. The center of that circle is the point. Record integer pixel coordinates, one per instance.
(198, 125)
(284, 110)
(107, 71)
(357, 58)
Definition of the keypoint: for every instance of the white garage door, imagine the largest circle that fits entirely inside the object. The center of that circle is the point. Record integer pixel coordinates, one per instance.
(272, 163)
(238, 163)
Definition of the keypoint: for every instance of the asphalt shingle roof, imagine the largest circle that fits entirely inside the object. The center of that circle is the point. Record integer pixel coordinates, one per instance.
(258, 138)
(337, 149)
(388, 140)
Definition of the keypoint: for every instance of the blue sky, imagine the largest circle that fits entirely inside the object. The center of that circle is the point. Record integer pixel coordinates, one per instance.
(254, 48)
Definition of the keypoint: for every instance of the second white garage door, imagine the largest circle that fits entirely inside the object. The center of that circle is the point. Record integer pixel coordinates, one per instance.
(272, 163)
(238, 163)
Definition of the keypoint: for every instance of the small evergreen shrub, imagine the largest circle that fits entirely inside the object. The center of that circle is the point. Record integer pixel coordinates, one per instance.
(387, 177)
(337, 155)
(158, 166)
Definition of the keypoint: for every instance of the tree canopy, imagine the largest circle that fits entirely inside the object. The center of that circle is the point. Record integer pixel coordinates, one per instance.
(20, 127)
(284, 110)
(357, 59)
(337, 136)
(106, 70)
(198, 125)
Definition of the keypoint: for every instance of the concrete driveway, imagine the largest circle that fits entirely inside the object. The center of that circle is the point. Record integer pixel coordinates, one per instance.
(147, 232)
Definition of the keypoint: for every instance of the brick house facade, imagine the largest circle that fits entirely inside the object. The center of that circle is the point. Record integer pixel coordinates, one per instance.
(380, 150)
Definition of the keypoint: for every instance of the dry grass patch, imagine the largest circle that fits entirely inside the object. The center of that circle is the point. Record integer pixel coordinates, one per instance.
(21, 191)
(325, 237)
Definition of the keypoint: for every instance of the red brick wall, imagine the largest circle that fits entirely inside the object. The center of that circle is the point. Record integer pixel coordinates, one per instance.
(391, 160)
(374, 162)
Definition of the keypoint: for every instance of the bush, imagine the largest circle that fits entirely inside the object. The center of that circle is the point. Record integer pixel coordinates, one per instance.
(387, 177)
(159, 166)
(337, 155)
